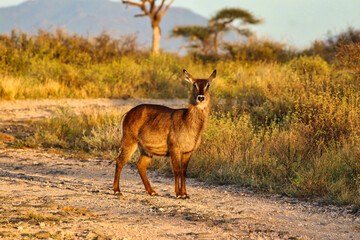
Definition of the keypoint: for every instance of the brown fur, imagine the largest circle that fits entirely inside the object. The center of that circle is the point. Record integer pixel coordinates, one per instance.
(163, 131)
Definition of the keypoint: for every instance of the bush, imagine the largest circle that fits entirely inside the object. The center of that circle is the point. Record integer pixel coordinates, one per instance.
(309, 65)
(280, 157)
(79, 67)
(259, 50)
(348, 55)
(327, 49)
(285, 125)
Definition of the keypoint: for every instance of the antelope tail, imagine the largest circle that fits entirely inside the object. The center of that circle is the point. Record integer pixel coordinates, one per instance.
(122, 133)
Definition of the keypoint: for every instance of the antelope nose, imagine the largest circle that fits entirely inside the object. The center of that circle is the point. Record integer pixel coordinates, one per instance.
(201, 98)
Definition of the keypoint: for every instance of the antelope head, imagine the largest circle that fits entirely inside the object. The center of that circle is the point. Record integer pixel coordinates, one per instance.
(200, 94)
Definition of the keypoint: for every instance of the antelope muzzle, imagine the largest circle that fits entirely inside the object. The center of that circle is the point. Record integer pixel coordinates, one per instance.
(200, 98)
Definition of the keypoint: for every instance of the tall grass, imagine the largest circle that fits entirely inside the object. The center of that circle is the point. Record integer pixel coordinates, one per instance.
(89, 131)
(290, 128)
(280, 157)
(289, 125)
(73, 66)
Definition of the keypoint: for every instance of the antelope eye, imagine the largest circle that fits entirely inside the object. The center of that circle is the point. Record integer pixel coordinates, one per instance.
(207, 86)
(195, 85)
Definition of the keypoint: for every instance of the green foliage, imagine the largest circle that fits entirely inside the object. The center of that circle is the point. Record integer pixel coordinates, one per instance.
(309, 65)
(282, 157)
(220, 23)
(200, 35)
(282, 121)
(200, 32)
(259, 50)
(230, 14)
(57, 65)
(89, 132)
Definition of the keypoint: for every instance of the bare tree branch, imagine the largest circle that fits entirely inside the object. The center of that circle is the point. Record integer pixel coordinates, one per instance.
(160, 7)
(141, 6)
(229, 21)
(166, 8)
(152, 7)
(132, 3)
(140, 15)
(154, 13)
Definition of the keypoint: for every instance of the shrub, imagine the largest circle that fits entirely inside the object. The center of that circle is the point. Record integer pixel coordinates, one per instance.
(309, 65)
(259, 50)
(283, 125)
(327, 49)
(348, 54)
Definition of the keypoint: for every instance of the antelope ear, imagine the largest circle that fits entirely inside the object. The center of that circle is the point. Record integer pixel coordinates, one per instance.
(212, 77)
(188, 77)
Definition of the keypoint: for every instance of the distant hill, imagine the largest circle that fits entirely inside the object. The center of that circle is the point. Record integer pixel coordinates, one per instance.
(91, 17)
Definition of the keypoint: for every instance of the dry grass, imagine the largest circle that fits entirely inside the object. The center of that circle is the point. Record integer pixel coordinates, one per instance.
(290, 127)
(12, 88)
(280, 157)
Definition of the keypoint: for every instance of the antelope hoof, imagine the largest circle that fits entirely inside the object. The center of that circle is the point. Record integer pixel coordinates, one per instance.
(185, 196)
(118, 193)
(182, 196)
(153, 194)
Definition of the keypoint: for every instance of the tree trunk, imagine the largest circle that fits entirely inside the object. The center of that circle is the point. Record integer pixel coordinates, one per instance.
(156, 39)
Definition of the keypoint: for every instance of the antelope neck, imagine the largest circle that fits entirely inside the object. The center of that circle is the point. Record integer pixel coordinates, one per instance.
(196, 112)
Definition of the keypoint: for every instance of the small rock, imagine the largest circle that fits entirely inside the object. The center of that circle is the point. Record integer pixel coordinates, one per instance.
(91, 235)
(42, 235)
(5, 234)
(68, 208)
(354, 208)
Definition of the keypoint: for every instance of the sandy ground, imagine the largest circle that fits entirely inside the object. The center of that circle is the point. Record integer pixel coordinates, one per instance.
(52, 195)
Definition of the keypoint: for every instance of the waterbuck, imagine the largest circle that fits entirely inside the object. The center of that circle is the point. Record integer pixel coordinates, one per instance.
(163, 131)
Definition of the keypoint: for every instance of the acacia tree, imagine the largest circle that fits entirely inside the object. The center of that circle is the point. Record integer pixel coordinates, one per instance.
(223, 19)
(155, 13)
(200, 35)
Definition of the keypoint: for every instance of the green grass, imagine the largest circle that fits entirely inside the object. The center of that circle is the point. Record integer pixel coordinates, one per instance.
(277, 158)
(88, 132)
(289, 126)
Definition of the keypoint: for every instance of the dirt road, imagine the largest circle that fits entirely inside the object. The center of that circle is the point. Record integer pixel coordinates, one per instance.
(52, 195)
(21, 110)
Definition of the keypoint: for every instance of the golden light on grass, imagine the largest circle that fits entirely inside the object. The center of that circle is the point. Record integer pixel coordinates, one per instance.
(281, 121)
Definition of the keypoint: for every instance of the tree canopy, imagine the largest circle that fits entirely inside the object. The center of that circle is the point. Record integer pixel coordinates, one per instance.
(231, 14)
(195, 33)
(219, 23)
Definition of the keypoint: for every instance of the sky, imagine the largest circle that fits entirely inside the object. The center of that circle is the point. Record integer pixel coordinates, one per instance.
(295, 22)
